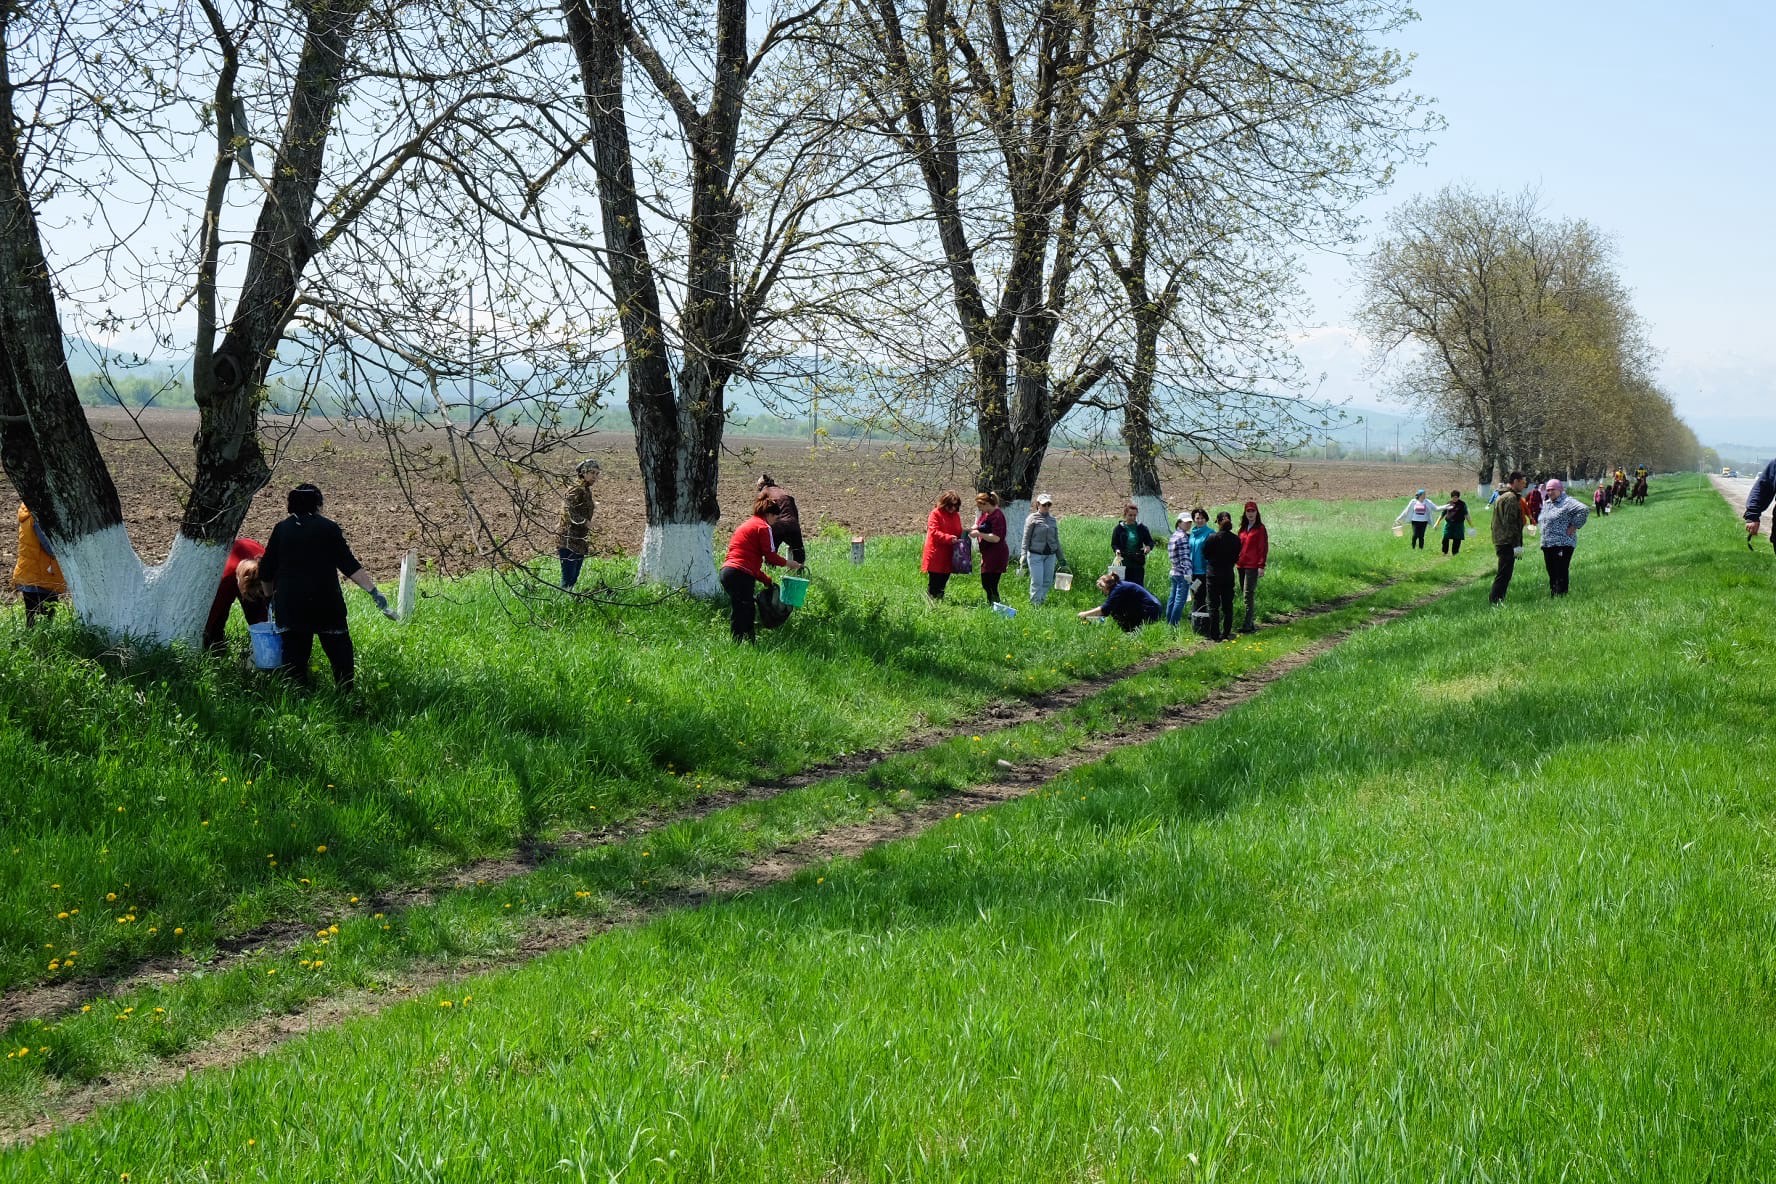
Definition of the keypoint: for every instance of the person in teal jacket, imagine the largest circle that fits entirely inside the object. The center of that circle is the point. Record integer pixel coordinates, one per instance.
(1200, 532)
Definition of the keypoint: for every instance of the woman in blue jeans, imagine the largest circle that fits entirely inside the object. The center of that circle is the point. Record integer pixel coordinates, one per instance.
(1178, 548)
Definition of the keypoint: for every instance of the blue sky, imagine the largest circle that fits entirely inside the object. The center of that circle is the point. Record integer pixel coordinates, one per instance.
(1654, 122)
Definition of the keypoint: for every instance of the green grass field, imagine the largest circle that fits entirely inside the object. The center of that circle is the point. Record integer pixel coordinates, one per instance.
(1482, 894)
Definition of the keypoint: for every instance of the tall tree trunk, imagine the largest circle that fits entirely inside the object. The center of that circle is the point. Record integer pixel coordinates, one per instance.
(1137, 432)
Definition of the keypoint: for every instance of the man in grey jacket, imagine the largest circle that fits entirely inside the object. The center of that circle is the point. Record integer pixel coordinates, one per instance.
(1042, 548)
(1762, 495)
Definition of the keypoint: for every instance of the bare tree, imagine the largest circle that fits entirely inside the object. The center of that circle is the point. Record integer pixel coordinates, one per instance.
(105, 108)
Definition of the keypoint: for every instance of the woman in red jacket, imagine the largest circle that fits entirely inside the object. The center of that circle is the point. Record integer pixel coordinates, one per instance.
(942, 529)
(1254, 553)
(751, 547)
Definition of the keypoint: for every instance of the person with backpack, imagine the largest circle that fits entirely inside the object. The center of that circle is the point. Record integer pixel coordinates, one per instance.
(303, 561)
(1042, 548)
(750, 548)
(1221, 552)
(1454, 518)
(1254, 554)
(1562, 516)
(1130, 541)
(943, 530)
(1178, 550)
(1418, 512)
(1507, 534)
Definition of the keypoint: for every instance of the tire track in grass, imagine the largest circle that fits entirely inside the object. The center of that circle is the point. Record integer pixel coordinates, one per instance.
(47, 1001)
(551, 934)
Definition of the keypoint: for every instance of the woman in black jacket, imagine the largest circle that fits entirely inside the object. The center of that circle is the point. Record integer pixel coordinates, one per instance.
(301, 567)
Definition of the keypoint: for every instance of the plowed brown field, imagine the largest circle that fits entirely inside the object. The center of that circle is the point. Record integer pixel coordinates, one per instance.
(867, 489)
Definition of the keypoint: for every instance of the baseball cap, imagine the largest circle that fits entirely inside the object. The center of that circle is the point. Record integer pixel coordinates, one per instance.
(1042, 499)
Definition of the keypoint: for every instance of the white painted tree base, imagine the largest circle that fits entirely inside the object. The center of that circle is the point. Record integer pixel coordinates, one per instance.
(1151, 510)
(1485, 492)
(680, 555)
(118, 596)
(1015, 510)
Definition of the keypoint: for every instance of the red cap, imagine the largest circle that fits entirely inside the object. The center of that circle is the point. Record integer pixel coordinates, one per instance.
(1251, 505)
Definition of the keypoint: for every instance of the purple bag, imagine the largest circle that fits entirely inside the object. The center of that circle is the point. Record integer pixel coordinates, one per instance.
(962, 556)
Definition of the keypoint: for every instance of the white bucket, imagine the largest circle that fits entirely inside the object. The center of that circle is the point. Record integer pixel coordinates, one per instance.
(268, 646)
(1063, 581)
(1119, 570)
(1004, 610)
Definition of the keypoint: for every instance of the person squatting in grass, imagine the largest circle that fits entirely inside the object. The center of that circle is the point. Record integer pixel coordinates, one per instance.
(1200, 532)
(573, 535)
(256, 608)
(995, 553)
(1178, 550)
(1042, 548)
(36, 574)
(1454, 518)
(1254, 554)
(1562, 516)
(1221, 553)
(1507, 534)
(751, 547)
(1761, 496)
(785, 519)
(1130, 540)
(301, 566)
(1127, 603)
(1418, 511)
(943, 529)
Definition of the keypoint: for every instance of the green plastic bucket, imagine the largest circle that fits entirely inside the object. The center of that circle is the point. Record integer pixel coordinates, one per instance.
(795, 591)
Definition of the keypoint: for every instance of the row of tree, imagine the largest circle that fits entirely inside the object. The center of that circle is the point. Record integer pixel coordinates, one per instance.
(1518, 339)
(999, 211)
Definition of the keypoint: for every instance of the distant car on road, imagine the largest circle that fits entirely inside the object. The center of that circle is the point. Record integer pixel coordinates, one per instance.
(1728, 471)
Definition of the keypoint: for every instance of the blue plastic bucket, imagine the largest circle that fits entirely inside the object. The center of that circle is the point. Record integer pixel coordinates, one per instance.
(268, 647)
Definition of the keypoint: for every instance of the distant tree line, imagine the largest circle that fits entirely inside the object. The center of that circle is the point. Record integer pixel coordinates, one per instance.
(1516, 337)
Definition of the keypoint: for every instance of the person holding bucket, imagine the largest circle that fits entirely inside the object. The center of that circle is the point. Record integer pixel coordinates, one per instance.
(1042, 548)
(943, 530)
(1454, 518)
(232, 588)
(1419, 512)
(751, 547)
(301, 566)
(1130, 540)
(995, 553)
(1221, 550)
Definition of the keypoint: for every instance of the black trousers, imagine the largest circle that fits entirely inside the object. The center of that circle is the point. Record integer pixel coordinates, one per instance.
(335, 643)
(1501, 583)
(791, 533)
(990, 585)
(1559, 561)
(1135, 573)
(571, 562)
(1451, 546)
(1418, 534)
(1220, 606)
(38, 603)
(739, 587)
(935, 582)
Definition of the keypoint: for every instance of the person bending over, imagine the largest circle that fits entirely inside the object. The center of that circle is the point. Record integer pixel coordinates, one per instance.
(303, 561)
(1127, 603)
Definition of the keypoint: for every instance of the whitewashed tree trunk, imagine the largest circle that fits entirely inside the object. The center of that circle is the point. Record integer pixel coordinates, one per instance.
(1485, 491)
(1152, 511)
(117, 595)
(1016, 510)
(680, 555)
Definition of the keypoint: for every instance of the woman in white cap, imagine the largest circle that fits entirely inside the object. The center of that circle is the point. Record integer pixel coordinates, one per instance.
(1042, 548)
(1561, 519)
(1419, 511)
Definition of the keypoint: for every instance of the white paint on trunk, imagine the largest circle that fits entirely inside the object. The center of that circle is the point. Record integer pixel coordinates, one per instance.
(680, 555)
(1151, 510)
(120, 597)
(1016, 510)
(1485, 491)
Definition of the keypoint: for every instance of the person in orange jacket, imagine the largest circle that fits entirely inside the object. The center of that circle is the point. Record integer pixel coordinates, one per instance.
(36, 575)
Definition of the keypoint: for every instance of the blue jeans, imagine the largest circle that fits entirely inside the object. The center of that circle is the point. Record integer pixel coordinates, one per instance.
(571, 562)
(1042, 576)
(1179, 600)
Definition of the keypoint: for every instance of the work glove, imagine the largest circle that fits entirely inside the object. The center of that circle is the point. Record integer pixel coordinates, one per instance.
(382, 603)
(1517, 551)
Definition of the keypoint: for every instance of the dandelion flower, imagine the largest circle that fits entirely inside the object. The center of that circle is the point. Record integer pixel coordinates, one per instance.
(322, 849)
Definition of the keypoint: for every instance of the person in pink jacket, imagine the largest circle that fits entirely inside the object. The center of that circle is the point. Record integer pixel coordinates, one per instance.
(1254, 554)
(943, 527)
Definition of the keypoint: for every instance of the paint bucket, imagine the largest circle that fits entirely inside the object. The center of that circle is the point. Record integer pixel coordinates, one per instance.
(795, 591)
(268, 646)
(1399, 531)
(1120, 571)
(1004, 610)
(1063, 581)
